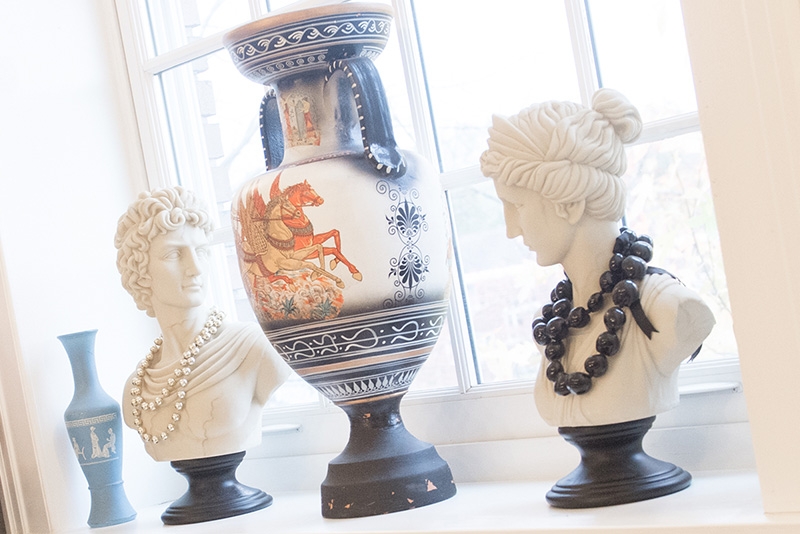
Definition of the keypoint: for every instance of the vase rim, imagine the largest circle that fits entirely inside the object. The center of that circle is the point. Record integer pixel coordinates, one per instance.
(308, 40)
(272, 22)
(77, 334)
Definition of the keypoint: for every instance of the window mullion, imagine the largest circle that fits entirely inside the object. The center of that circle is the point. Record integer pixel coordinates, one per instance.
(415, 79)
(184, 54)
(582, 49)
(258, 8)
(463, 351)
(466, 369)
(147, 100)
(462, 177)
(666, 128)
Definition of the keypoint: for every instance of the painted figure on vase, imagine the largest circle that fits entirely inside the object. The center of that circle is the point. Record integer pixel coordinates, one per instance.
(201, 387)
(616, 330)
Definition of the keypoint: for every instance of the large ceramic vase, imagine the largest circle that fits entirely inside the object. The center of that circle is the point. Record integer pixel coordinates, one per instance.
(343, 245)
(94, 425)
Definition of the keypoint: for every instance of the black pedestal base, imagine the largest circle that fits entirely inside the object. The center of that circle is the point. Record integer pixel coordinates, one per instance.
(614, 469)
(384, 468)
(214, 492)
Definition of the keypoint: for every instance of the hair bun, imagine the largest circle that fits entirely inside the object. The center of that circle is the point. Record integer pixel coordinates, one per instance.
(619, 112)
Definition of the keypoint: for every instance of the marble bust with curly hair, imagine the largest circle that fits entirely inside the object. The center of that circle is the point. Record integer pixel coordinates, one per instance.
(200, 390)
(154, 213)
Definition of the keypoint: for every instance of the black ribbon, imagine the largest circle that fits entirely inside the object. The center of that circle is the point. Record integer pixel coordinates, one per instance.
(641, 318)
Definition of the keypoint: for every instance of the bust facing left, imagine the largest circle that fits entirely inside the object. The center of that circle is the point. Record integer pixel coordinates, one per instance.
(200, 389)
(616, 330)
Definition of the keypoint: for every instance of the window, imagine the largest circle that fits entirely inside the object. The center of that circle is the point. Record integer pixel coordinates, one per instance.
(446, 70)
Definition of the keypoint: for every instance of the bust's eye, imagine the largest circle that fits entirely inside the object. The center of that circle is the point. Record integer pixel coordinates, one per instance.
(203, 252)
(173, 254)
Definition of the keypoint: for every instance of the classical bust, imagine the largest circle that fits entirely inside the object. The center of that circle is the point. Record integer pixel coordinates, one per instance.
(198, 392)
(557, 168)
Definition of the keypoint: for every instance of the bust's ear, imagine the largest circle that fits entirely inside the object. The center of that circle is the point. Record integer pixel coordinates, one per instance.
(571, 211)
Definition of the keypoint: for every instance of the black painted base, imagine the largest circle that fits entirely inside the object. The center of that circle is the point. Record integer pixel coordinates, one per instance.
(214, 492)
(384, 468)
(614, 469)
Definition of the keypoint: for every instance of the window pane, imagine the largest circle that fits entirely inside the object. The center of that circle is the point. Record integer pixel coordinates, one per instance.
(213, 124)
(641, 51)
(213, 127)
(669, 198)
(292, 393)
(481, 61)
(390, 67)
(439, 370)
(504, 286)
(175, 24)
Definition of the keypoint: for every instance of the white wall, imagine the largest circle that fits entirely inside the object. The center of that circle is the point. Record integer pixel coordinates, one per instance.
(69, 166)
(746, 61)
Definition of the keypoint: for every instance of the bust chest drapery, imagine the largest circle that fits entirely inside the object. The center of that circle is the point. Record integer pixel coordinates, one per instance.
(642, 377)
(234, 374)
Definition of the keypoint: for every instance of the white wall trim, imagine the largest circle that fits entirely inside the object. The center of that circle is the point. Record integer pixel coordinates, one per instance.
(24, 502)
(746, 61)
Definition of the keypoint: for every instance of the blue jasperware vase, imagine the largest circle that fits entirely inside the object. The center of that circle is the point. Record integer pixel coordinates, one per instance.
(94, 425)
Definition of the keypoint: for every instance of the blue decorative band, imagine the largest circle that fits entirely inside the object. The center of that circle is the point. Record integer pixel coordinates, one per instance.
(309, 44)
(91, 420)
(366, 355)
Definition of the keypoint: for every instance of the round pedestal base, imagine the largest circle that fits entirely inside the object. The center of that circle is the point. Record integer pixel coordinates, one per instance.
(384, 468)
(214, 492)
(614, 469)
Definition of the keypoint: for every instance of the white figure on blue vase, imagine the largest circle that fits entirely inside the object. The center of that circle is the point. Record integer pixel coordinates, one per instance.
(97, 452)
(558, 167)
(78, 449)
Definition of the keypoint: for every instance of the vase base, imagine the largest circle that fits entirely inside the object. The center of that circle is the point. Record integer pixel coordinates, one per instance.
(110, 506)
(614, 469)
(214, 493)
(382, 486)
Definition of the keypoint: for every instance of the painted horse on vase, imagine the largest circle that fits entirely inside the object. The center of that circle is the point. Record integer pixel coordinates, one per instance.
(302, 195)
(268, 246)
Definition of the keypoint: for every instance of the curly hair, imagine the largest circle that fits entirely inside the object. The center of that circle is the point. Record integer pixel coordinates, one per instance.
(154, 213)
(567, 152)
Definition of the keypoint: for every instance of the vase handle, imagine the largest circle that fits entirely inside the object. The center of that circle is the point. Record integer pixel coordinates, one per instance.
(377, 134)
(271, 134)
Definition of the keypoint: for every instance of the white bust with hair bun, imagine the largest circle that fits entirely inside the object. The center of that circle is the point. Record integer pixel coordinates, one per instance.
(558, 167)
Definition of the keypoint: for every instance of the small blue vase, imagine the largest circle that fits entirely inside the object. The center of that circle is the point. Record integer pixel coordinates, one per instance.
(94, 425)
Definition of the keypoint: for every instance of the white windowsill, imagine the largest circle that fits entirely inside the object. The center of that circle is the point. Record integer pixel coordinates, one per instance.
(726, 502)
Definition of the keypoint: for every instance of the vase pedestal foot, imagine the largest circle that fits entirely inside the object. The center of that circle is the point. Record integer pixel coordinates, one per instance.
(384, 468)
(614, 468)
(110, 506)
(214, 492)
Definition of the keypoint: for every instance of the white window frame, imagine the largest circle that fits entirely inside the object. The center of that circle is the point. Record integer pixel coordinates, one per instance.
(324, 426)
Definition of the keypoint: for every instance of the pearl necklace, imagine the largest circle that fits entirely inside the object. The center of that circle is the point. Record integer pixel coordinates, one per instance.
(179, 380)
(628, 264)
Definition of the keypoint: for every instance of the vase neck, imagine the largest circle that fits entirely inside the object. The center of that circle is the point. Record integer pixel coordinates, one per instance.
(84, 371)
(80, 349)
(318, 117)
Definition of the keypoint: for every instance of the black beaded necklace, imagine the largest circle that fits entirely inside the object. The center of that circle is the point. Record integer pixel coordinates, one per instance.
(628, 265)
